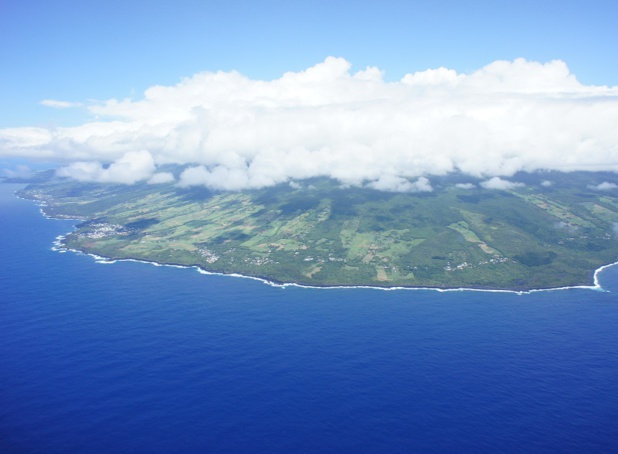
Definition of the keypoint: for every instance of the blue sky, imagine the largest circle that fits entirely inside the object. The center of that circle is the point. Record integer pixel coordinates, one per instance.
(383, 94)
(80, 50)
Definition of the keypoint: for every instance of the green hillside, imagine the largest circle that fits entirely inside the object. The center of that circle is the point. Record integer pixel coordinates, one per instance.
(553, 231)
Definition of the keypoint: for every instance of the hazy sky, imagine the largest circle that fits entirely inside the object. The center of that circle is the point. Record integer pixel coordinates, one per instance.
(400, 89)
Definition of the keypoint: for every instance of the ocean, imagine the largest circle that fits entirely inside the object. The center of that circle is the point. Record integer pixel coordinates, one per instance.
(129, 357)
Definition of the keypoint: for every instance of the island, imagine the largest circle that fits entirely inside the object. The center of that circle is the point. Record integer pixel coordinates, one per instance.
(548, 230)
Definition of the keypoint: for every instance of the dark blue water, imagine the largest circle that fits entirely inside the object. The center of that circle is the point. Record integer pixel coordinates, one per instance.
(135, 358)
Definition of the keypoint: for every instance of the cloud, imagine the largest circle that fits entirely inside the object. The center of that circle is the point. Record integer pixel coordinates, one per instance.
(546, 183)
(132, 167)
(233, 132)
(392, 183)
(20, 171)
(60, 104)
(229, 179)
(465, 185)
(500, 184)
(161, 178)
(605, 186)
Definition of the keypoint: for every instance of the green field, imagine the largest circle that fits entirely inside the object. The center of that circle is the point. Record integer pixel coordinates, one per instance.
(535, 236)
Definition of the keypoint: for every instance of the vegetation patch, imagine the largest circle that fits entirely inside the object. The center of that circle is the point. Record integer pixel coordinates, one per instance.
(319, 233)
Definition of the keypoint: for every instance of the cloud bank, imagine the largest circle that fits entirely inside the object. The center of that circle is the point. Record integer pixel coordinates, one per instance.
(233, 132)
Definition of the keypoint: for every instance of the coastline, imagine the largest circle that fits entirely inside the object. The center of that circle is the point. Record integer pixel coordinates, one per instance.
(60, 247)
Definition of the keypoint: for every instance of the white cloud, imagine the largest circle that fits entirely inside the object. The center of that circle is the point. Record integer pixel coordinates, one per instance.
(161, 177)
(433, 77)
(234, 132)
(422, 185)
(25, 142)
(20, 171)
(132, 167)
(500, 184)
(465, 185)
(226, 178)
(546, 183)
(392, 183)
(60, 104)
(605, 186)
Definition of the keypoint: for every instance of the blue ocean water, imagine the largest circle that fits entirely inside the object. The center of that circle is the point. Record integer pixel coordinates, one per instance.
(130, 357)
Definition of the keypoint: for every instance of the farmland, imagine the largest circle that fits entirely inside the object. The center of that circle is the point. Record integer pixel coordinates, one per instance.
(319, 233)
